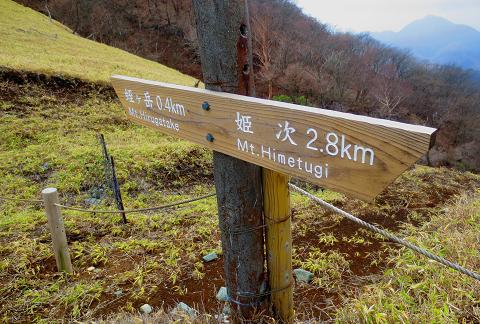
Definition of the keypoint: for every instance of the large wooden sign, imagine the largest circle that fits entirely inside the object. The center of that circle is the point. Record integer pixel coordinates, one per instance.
(352, 154)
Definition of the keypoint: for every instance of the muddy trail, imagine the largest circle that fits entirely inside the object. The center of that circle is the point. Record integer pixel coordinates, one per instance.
(158, 260)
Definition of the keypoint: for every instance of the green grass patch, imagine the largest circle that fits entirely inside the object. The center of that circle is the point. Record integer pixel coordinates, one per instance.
(33, 42)
(417, 290)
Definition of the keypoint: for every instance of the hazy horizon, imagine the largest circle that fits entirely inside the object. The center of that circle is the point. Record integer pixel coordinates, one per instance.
(389, 15)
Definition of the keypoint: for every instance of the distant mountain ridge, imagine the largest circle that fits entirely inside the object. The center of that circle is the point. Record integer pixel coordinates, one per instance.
(438, 40)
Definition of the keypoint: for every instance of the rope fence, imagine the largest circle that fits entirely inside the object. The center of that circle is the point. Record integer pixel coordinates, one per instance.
(127, 211)
(388, 235)
(321, 202)
(139, 210)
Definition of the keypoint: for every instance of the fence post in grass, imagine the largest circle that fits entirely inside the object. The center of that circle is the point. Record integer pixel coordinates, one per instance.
(276, 202)
(111, 176)
(106, 160)
(225, 46)
(57, 229)
(116, 190)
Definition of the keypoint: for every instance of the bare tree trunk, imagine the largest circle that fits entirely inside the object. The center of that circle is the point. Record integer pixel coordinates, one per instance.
(226, 54)
(77, 24)
(166, 11)
(48, 11)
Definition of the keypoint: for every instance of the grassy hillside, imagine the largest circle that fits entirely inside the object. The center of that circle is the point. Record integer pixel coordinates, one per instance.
(47, 138)
(31, 41)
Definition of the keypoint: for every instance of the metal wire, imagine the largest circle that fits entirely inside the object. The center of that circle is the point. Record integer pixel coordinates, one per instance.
(245, 230)
(267, 293)
(388, 235)
(279, 221)
(129, 211)
(34, 201)
(239, 303)
(253, 295)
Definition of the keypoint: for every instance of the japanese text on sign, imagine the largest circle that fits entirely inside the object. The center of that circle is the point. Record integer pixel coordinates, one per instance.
(353, 154)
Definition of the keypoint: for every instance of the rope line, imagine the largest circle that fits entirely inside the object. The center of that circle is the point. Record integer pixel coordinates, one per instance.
(388, 235)
(129, 211)
(34, 201)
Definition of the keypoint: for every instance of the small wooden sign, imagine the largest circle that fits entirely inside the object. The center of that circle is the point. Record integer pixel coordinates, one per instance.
(353, 154)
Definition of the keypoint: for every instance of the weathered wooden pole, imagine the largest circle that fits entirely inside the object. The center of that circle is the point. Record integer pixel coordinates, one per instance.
(279, 242)
(57, 229)
(226, 54)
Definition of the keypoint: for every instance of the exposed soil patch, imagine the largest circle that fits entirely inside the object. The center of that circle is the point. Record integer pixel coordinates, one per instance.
(200, 292)
(65, 88)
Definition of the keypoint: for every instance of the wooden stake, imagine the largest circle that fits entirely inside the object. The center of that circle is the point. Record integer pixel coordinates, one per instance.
(57, 229)
(226, 53)
(279, 242)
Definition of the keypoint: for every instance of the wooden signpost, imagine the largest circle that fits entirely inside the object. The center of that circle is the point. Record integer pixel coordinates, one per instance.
(356, 155)
(353, 154)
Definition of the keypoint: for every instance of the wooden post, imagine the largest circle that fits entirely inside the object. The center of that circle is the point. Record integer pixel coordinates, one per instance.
(57, 229)
(226, 53)
(279, 242)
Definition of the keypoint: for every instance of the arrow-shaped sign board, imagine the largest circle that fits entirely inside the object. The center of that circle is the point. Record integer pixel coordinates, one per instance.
(353, 154)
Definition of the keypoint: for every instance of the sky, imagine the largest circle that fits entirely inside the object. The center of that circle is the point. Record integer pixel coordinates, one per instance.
(382, 15)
